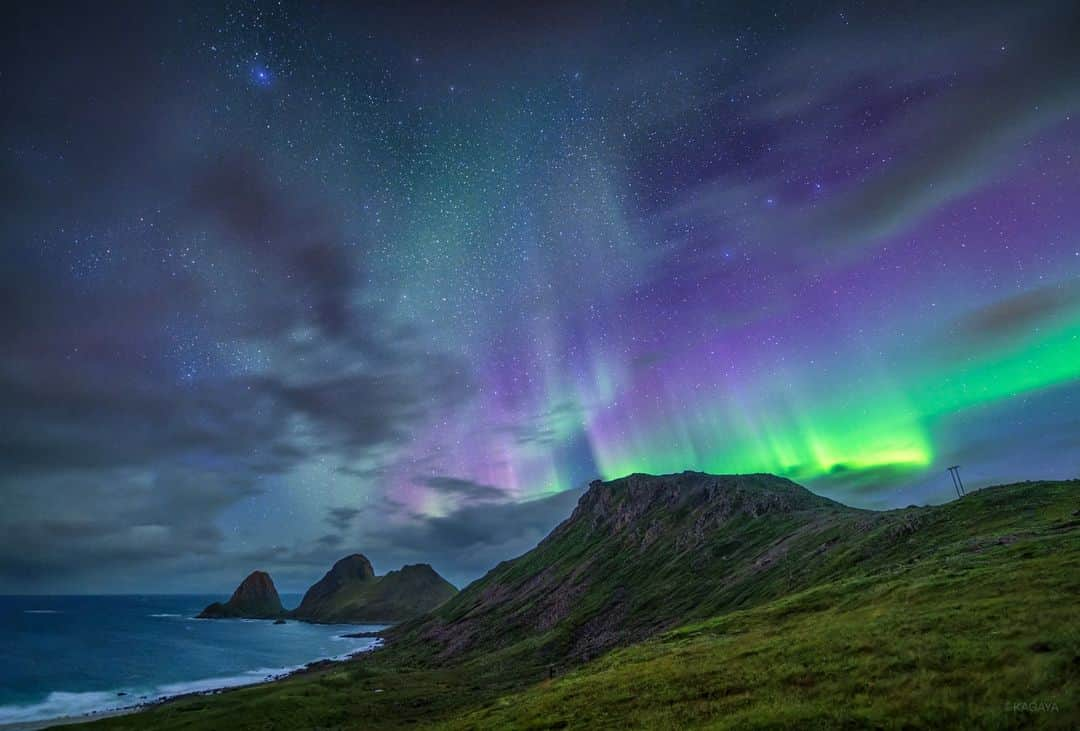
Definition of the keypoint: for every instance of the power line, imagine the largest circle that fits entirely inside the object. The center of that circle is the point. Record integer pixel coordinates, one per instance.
(958, 484)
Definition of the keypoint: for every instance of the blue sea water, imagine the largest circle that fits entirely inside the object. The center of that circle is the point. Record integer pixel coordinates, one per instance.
(62, 656)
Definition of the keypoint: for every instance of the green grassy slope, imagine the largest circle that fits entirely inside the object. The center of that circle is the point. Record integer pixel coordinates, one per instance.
(644, 554)
(639, 555)
(985, 634)
(407, 592)
(959, 615)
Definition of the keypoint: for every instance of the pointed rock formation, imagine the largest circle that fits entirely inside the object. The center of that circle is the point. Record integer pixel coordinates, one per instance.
(255, 598)
(350, 592)
(350, 571)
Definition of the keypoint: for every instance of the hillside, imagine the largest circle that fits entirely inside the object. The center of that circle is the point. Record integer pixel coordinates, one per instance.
(350, 592)
(981, 634)
(762, 605)
(644, 553)
(320, 599)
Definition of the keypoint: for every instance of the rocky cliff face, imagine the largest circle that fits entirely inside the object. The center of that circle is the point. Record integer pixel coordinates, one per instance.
(348, 572)
(638, 555)
(639, 508)
(351, 592)
(255, 598)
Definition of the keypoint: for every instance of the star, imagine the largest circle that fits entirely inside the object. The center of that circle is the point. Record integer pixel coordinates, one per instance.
(261, 76)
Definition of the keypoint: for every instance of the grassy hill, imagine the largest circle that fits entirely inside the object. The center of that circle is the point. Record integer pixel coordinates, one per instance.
(639, 555)
(406, 592)
(351, 592)
(741, 602)
(983, 635)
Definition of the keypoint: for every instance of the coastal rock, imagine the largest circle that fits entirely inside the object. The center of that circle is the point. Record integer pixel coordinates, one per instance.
(350, 571)
(351, 593)
(255, 598)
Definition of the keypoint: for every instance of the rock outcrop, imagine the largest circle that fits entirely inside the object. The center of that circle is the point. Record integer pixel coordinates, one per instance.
(639, 555)
(350, 592)
(255, 598)
(351, 571)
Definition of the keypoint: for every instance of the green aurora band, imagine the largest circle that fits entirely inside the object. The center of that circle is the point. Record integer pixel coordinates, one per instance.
(865, 430)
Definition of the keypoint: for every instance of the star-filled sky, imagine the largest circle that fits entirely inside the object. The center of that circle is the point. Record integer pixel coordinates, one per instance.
(286, 281)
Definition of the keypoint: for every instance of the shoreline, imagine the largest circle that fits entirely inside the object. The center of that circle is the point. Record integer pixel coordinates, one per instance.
(317, 665)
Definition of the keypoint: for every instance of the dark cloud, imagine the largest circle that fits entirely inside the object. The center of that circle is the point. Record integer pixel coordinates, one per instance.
(361, 409)
(473, 538)
(341, 518)
(199, 373)
(845, 484)
(836, 93)
(964, 128)
(64, 418)
(462, 545)
(111, 523)
(167, 528)
(467, 490)
(331, 540)
(1015, 316)
(299, 243)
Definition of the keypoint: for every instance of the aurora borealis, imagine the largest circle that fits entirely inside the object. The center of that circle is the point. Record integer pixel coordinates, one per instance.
(286, 281)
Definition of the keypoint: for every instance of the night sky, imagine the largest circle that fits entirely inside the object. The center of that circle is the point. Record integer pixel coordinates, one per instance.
(282, 282)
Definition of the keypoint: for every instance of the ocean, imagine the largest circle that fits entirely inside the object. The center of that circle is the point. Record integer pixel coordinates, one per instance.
(64, 656)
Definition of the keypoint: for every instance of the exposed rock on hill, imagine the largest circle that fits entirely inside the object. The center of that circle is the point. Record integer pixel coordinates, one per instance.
(349, 571)
(351, 592)
(255, 598)
(638, 555)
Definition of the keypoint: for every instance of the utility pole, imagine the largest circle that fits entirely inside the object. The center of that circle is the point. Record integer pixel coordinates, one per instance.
(957, 483)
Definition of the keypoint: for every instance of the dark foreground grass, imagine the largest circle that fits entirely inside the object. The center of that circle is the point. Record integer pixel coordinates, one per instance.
(986, 640)
(975, 627)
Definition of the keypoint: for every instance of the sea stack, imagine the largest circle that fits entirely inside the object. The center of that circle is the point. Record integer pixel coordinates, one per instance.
(255, 598)
(350, 572)
(350, 592)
